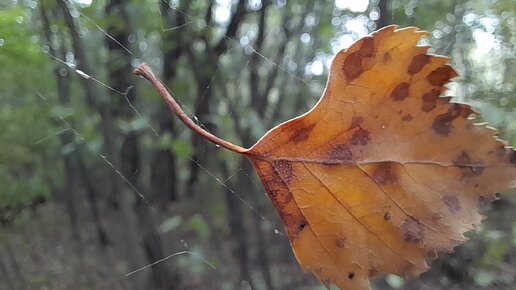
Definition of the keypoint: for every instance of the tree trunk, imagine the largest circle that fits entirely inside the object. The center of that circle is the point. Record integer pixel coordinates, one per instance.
(385, 14)
(262, 253)
(163, 163)
(120, 76)
(204, 71)
(238, 233)
(67, 137)
(103, 107)
(92, 196)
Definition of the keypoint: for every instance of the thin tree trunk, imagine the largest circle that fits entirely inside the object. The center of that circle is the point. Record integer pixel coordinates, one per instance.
(259, 102)
(163, 163)
(109, 134)
(92, 196)
(92, 97)
(204, 71)
(238, 232)
(120, 76)
(67, 137)
(262, 253)
(385, 14)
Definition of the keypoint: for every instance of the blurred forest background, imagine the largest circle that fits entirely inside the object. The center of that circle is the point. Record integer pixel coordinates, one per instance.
(98, 179)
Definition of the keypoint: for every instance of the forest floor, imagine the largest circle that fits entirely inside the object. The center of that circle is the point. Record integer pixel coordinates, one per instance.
(42, 253)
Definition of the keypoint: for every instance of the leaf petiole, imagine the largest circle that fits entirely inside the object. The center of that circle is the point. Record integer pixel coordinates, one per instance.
(145, 71)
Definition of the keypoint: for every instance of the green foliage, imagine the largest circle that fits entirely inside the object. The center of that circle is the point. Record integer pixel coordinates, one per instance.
(23, 67)
(171, 224)
(24, 122)
(22, 159)
(199, 225)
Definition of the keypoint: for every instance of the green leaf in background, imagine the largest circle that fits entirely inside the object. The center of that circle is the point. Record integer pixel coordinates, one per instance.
(170, 224)
(484, 279)
(198, 224)
(182, 148)
(395, 281)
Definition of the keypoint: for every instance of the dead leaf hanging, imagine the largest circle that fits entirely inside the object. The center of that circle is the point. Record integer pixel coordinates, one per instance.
(383, 172)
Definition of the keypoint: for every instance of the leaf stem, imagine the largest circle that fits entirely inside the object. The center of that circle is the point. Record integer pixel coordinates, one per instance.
(144, 70)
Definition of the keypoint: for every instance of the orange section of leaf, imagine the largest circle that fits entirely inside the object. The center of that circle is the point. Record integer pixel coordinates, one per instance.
(383, 172)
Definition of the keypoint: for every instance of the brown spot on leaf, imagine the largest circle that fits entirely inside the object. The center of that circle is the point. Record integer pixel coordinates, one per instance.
(463, 110)
(463, 159)
(430, 100)
(440, 76)
(443, 123)
(473, 171)
(280, 196)
(351, 275)
(272, 193)
(400, 92)
(367, 48)
(418, 62)
(468, 168)
(387, 216)
(412, 231)
(384, 173)
(284, 170)
(353, 66)
(407, 118)
(302, 134)
(341, 152)
(386, 58)
(340, 242)
(452, 202)
(353, 63)
(360, 137)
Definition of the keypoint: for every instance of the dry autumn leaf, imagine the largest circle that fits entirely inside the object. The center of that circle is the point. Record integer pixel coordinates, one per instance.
(383, 172)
